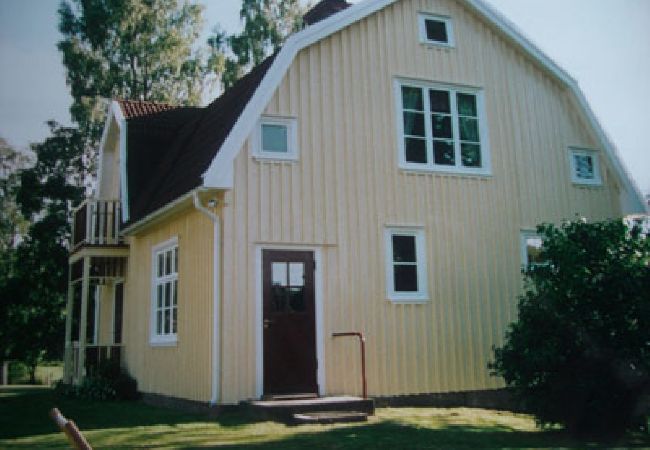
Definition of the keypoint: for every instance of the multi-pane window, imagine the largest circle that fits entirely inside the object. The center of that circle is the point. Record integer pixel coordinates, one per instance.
(276, 139)
(584, 166)
(441, 129)
(435, 30)
(165, 293)
(405, 264)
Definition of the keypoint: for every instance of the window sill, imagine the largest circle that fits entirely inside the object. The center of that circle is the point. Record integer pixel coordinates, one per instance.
(163, 342)
(275, 158)
(431, 45)
(415, 300)
(447, 172)
(587, 184)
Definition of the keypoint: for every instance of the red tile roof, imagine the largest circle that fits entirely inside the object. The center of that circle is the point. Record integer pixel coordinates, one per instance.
(138, 108)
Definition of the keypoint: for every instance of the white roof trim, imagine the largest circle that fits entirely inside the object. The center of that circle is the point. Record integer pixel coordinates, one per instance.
(220, 172)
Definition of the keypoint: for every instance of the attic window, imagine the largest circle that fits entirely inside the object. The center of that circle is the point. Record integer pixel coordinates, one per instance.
(436, 30)
(585, 167)
(276, 139)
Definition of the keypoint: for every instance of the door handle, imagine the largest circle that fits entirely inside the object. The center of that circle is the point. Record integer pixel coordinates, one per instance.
(267, 322)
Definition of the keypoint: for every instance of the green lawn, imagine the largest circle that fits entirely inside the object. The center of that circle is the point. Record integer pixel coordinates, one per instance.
(24, 423)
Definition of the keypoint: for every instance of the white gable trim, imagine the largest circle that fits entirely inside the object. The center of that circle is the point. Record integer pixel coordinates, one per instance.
(220, 172)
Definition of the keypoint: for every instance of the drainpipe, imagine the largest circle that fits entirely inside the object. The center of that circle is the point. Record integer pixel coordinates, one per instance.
(216, 287)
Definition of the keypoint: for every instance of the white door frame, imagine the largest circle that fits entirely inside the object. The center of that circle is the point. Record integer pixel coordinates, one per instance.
(318, 298)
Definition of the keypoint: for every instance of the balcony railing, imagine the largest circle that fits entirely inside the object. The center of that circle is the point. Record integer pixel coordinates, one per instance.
(97, 222)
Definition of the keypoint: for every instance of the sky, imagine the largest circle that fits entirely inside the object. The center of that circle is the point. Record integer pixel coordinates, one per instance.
(603, 44)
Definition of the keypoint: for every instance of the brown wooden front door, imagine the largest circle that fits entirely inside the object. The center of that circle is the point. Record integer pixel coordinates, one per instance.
(289, 323)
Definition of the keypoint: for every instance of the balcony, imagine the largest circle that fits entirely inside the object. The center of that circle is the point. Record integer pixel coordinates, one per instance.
(97, 224)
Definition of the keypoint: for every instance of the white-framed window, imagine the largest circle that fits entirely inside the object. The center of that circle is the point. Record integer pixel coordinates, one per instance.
(406, 265)
(585, 166)
(164, 293)
(531, 248)
(441, 128)
(436, 30)
(276, 138)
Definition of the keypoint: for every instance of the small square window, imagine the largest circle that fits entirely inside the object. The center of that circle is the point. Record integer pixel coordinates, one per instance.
(585, 167)
(405, 265)
(276, 139)
(436, 30)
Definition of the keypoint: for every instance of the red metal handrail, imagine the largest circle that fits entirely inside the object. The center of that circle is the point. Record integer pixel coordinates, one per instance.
(362, 342)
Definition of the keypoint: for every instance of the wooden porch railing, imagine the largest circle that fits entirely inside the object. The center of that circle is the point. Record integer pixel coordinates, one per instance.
(97, 222)
(95, 355)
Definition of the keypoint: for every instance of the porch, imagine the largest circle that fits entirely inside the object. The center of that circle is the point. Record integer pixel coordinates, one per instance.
(97, 267)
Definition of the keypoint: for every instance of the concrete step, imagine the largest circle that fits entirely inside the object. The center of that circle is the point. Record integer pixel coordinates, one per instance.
(326, 417)
(284, 410)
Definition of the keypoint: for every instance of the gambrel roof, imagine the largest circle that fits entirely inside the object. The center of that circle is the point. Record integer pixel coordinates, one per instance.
(219, 174)
(202, 154)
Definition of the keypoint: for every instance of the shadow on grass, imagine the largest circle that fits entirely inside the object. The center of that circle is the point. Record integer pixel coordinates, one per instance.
(25, 412)
(396, 435)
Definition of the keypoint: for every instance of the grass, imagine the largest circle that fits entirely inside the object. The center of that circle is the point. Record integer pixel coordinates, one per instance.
(25, 424)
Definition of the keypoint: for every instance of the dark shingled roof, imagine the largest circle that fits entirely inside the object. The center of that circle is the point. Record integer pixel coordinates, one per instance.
(168, 150)
(323, 9)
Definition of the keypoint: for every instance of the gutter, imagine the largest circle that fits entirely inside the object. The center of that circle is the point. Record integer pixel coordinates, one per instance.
(216, 299)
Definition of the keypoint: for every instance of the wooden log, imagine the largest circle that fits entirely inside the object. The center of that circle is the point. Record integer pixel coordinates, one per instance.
(77, 440)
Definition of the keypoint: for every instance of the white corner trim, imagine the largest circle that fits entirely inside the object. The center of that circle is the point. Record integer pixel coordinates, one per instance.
(318, 298)
(102, 144)
(220, 171)
(124, 192)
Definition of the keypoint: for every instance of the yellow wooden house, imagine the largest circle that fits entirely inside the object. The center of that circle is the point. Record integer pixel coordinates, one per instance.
(383, 173)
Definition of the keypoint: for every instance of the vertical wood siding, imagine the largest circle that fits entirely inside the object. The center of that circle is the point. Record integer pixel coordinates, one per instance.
(182, 370)
(346, 187)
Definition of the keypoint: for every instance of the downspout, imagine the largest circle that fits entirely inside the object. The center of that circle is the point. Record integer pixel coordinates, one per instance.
(216, 298)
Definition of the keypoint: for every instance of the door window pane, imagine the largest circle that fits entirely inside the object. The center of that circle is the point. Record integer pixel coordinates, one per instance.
(296, 274)
(279, 273)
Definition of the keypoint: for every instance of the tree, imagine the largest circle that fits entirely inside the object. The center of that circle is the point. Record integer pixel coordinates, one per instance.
(12, 224)
(34, 281)
(579, 354)
(136, 49)
(267, 23)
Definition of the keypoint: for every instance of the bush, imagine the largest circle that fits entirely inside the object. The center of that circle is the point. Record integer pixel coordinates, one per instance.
(109, 382)
(579, 354)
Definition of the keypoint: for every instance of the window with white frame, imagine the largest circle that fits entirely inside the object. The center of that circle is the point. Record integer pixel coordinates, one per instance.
(276, 138)
(441, 128)
(164, 307)
(585, 167)
(531, 249)
(406, 273)
(435, 30)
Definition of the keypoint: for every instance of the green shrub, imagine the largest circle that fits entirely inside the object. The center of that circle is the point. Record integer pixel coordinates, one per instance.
(579, 354)
(110, 382)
